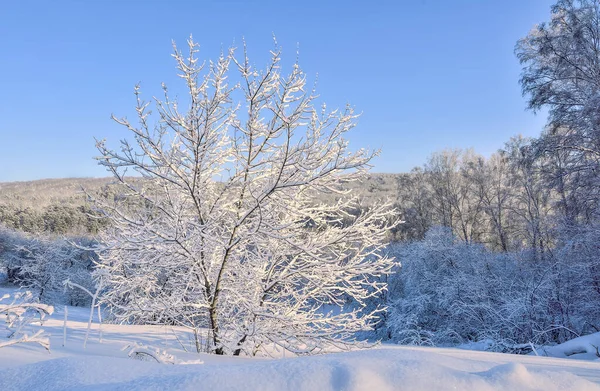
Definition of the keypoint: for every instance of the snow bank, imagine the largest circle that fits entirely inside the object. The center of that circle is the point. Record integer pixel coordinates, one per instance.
(106, 366)
(377, 369)
(584, 348)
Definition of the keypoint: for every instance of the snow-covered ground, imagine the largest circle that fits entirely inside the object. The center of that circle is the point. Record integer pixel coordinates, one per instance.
(105, 366)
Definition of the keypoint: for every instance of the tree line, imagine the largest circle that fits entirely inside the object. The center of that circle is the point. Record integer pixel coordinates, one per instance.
(518, 261)
(56, 219)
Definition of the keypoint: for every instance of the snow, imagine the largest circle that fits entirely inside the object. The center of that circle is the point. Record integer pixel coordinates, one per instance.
(106, 366)
(378, 369)
(582, 348)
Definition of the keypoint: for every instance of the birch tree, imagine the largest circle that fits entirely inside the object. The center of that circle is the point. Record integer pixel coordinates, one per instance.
(455, 200)
(225, 230)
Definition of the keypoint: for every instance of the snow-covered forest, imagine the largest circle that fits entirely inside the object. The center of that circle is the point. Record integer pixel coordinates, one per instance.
(239, 219)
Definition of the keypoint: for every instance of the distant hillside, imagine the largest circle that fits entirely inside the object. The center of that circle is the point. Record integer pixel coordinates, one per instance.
(45, 192)
(59, 205)
(53, 206)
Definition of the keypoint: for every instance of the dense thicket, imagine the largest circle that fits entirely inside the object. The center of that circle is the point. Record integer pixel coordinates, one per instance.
(43, 263)
(452, 292)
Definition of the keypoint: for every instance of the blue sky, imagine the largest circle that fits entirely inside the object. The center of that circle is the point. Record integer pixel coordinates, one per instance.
(425, 74)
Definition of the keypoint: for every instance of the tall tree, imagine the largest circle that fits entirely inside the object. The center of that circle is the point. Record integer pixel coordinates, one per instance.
(531, 208)
(455, 201)
(495, 189)
(561, 71)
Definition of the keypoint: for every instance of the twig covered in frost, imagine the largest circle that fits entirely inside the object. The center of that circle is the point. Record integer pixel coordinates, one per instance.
(19, 313)
(141, 352)
(94, 296)
(66, 315)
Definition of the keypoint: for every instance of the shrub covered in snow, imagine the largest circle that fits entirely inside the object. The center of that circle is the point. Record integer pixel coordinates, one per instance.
(18, 313)
(450, 292)
(42, 263)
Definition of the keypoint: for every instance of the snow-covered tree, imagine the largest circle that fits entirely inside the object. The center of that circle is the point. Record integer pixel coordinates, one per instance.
(225, 229)
(455, 200)
(561, 64)
(44, 263)
(560, 71)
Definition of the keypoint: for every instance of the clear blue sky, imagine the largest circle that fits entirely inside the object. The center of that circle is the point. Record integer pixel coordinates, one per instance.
(426, 74)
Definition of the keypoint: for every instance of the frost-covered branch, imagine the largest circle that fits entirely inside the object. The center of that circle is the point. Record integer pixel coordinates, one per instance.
(19, 314)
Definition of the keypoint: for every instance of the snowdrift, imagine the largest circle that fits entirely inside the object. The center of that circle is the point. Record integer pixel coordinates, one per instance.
(582, 348)
(388, 368)
(106, 366)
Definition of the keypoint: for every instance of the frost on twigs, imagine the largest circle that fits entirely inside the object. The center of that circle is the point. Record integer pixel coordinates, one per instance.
(228, 231)
(20, 314)
(142, 352)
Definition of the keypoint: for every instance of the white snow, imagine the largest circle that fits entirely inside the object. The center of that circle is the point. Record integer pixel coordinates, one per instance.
(106, 366)
(582, 348)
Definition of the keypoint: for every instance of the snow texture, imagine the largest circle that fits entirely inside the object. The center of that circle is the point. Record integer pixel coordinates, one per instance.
(582, 348)
(106, 366)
